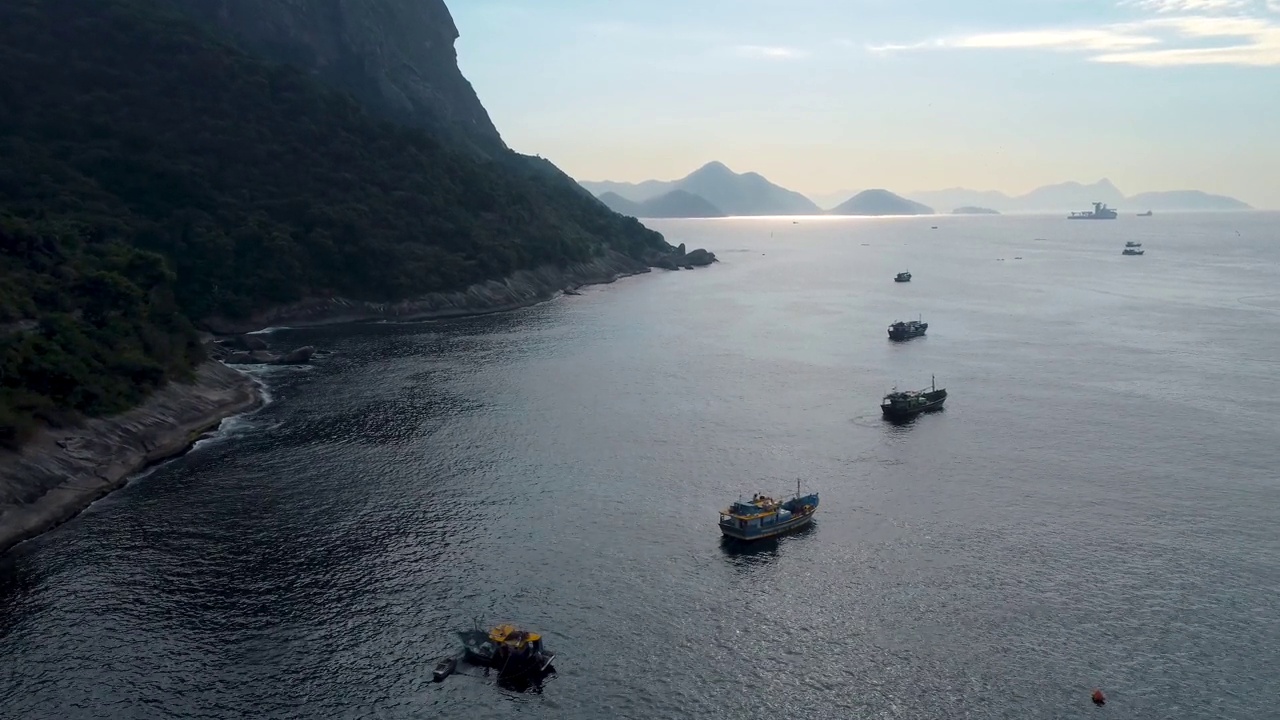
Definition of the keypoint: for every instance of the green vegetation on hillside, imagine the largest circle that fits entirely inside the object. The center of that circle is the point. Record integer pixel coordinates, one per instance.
(108, 330)
(150, 174)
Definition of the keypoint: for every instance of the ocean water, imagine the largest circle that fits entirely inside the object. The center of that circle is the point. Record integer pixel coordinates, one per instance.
(1095, 507)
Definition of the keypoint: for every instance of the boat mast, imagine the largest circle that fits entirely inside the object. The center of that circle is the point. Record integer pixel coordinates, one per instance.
(933, 382)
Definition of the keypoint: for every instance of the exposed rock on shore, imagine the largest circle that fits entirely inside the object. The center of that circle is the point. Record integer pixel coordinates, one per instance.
(681, 259)
(60, 472)
(299, 356)
(521, 289)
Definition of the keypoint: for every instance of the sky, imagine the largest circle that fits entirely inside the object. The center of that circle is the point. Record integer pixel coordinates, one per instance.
(827, 95)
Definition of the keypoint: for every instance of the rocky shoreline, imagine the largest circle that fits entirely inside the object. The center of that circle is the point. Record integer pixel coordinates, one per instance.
(62, 471)
(521, 289)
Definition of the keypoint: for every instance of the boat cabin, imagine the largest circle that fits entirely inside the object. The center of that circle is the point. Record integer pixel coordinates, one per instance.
(758, 516)
(518, 640)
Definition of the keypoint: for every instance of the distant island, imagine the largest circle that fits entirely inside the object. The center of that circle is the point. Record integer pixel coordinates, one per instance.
(714, 190)
(1068, 196)
(880, 202)
(675, 204)
(720, 190)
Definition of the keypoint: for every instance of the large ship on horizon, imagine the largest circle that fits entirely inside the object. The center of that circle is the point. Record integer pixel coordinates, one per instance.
(1100, 212)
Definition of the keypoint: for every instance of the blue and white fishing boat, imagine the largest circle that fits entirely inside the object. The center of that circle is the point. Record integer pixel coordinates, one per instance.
(764, 517)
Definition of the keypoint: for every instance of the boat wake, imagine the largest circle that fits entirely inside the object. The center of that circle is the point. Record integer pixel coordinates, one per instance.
(1263, 302)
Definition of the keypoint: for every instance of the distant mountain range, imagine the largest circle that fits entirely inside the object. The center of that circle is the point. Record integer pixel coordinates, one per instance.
(727, 192)
(1067, 196)
(675, 204)
(714, 190)
(879, 202)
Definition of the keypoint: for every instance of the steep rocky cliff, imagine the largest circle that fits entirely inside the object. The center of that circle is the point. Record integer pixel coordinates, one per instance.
(395, 56)
(153, 175)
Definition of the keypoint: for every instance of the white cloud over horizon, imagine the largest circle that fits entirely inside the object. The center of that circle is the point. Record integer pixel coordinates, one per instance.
(774, 52)
(1247, 36)
(1156, 94)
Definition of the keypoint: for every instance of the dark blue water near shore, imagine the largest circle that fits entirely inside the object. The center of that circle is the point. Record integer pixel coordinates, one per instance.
(1095, 507)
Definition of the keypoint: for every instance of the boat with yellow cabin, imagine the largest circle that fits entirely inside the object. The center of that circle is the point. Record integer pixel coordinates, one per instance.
(507, 649)
(765, 517)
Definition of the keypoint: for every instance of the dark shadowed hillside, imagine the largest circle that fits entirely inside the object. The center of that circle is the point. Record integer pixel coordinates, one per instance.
(154, 165)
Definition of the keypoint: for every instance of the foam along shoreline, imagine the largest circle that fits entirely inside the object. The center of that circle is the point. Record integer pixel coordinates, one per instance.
(61, 472)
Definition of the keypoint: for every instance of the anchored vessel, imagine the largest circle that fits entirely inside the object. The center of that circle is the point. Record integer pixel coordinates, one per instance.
(902, 277)
(1132, 251)
(1100, 212)
(900, 405)
(1131, 243)
(764, 517)
(509, 650)
(906, 330)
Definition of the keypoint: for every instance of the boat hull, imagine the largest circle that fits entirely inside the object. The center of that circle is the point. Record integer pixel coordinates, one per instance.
(905, 334)
(901, 413)
(479, 650)
(752, 533)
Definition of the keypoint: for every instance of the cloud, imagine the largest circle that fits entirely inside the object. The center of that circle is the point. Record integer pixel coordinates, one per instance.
(1223, 34)
(891, 47)
(1188, 6)
(1081, 39)
(772, 52)
(1256, 43)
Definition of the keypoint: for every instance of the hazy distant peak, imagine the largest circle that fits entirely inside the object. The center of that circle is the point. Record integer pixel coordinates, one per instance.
(712, 189)
(878, 201)
(1071, 195)
(714, 167)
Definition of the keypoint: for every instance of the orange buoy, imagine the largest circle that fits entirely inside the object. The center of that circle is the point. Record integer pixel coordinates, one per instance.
(1099, 698)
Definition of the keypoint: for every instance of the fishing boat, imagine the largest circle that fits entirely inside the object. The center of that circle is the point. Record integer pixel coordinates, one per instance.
(1133, 251)
(906, 330)
(1145, 214)
(1133, 243)
(765, 517)
(902, 277)
(507, 649)
(900, 405)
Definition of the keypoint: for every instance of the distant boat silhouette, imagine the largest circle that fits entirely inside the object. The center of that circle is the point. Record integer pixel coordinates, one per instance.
(1100, 212)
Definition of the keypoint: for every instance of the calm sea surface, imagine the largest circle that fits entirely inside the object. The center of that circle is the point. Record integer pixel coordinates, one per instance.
(1096, 507)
